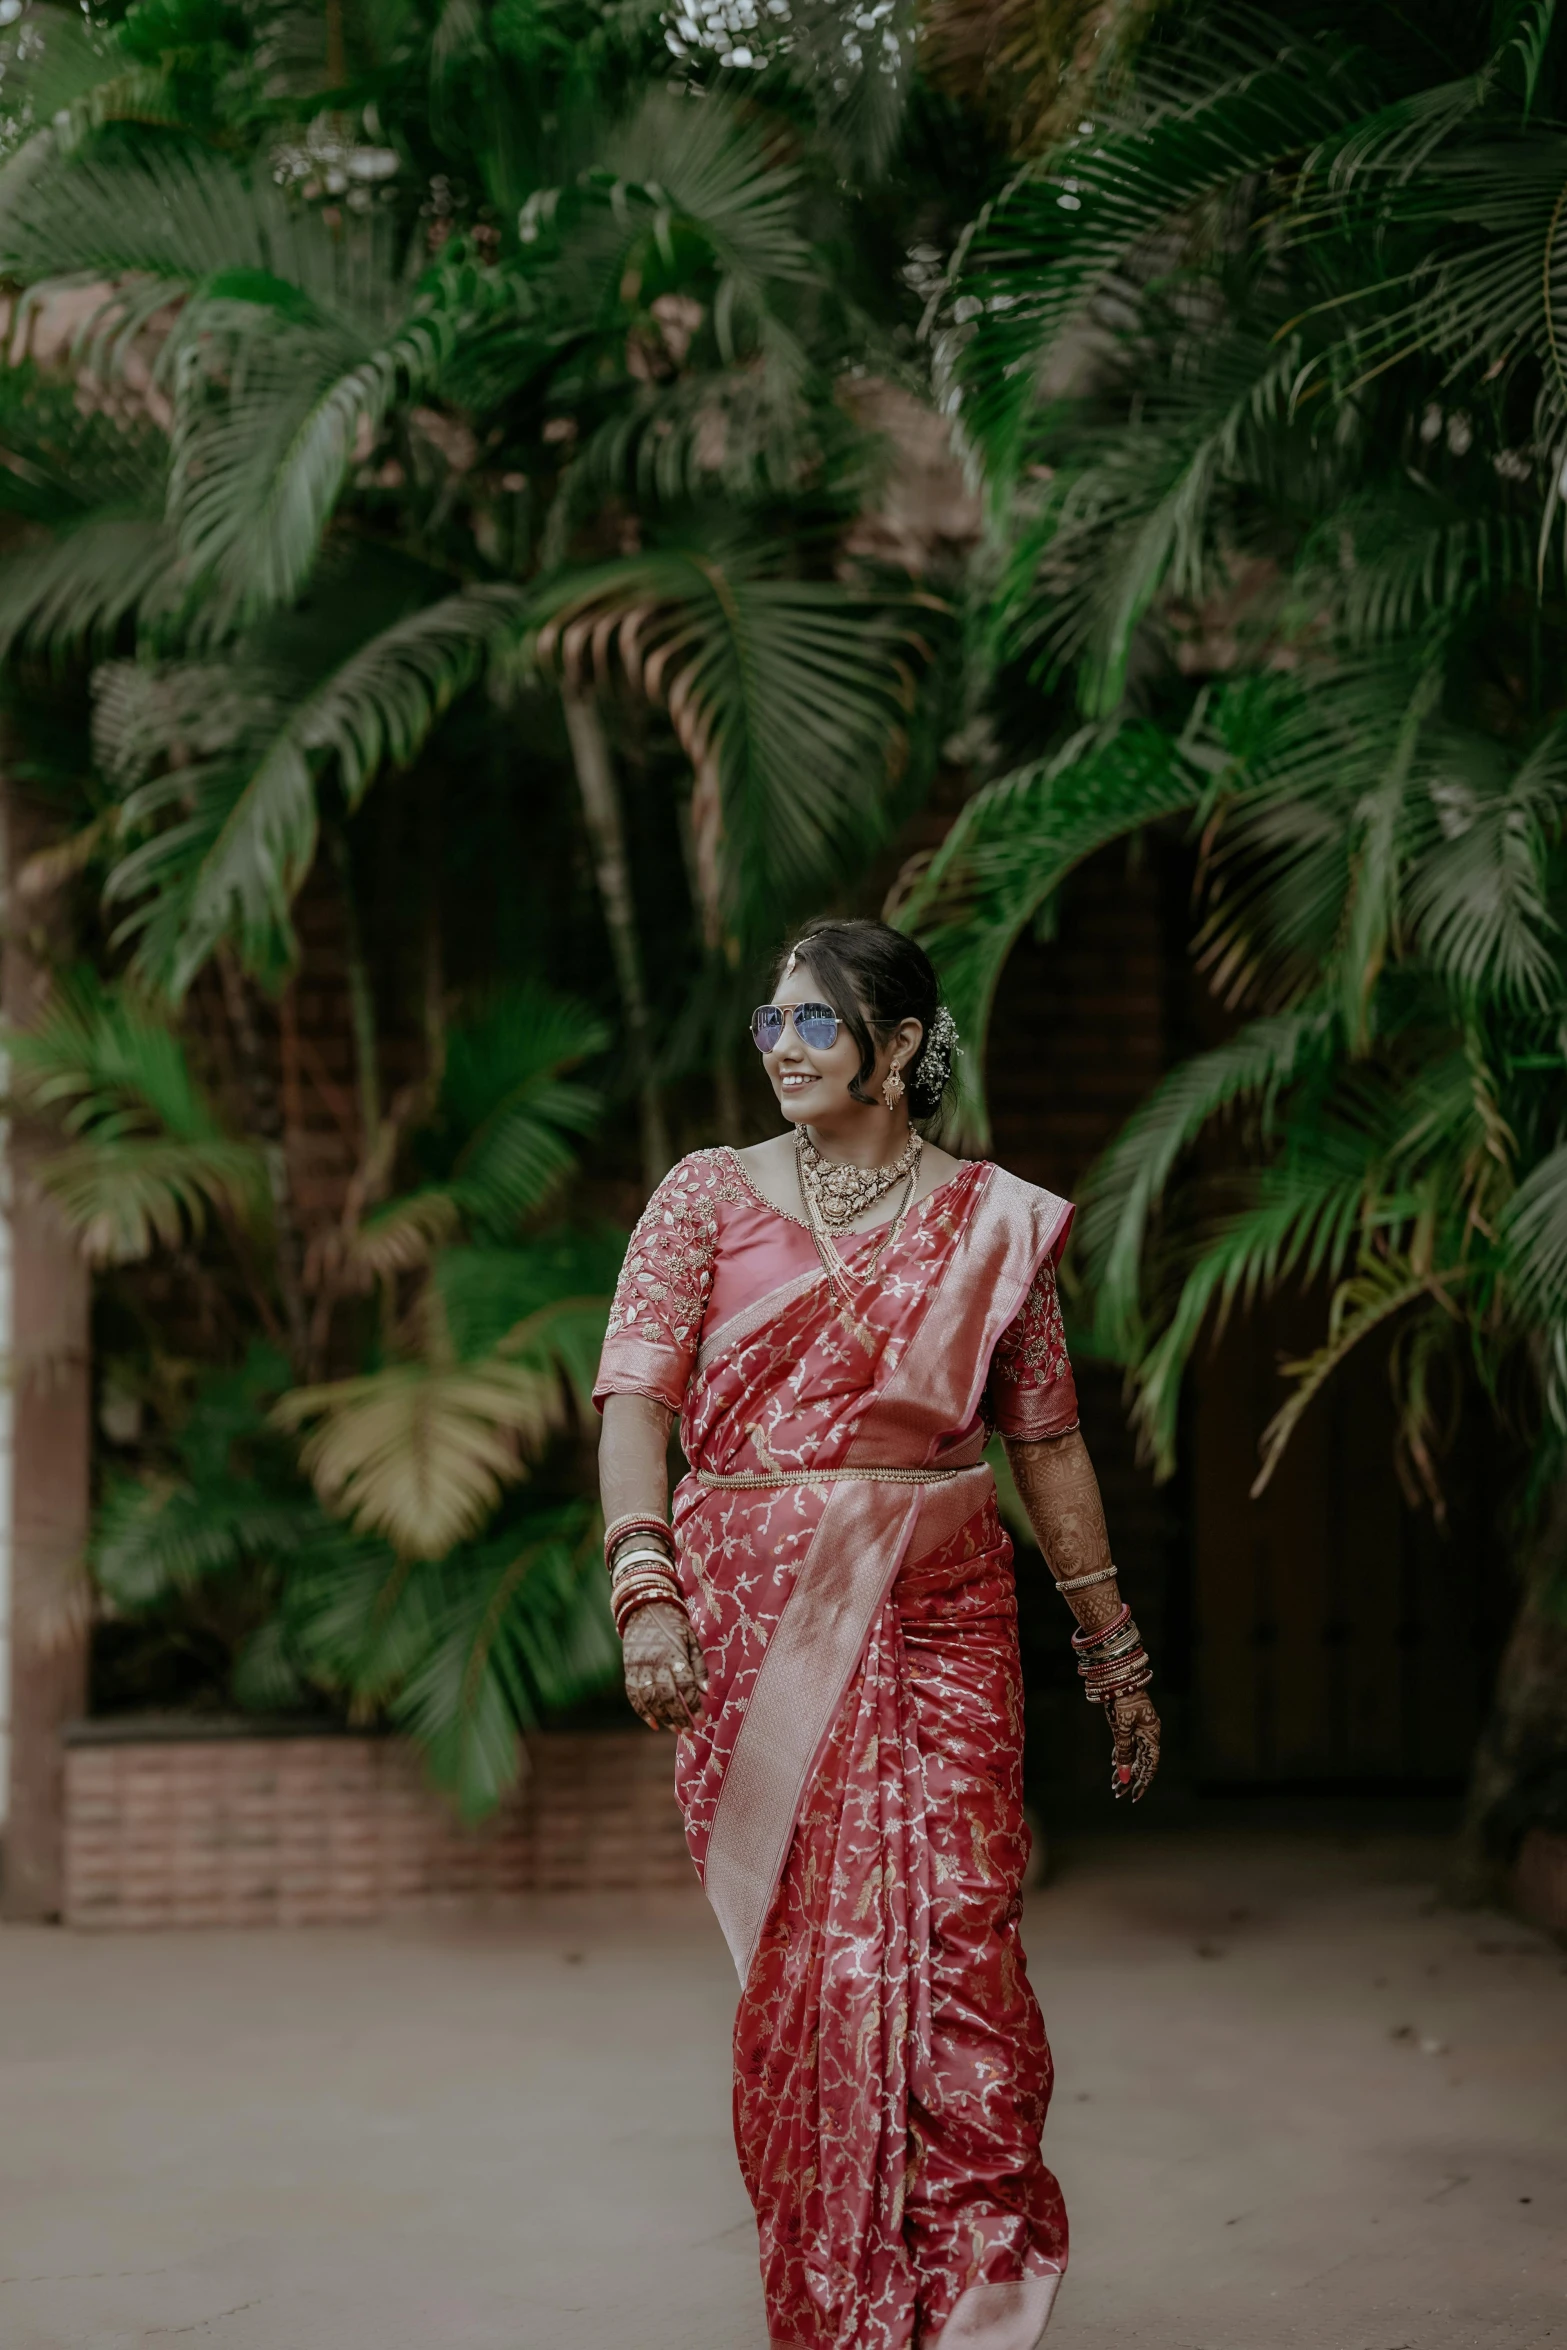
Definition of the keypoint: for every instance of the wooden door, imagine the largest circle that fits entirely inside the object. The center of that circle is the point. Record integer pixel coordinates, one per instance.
(1340, 1637)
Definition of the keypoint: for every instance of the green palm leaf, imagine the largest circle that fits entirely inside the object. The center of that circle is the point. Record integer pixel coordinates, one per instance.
(1063, 233)
(790, 697)
(148, 1157)
(517, 1625)
(1257, 1065)
(74, 593)
(230, 864)
(1016, 842)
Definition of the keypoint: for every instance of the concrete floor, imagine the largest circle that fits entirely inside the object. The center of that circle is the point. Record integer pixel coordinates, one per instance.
(1297, 2105)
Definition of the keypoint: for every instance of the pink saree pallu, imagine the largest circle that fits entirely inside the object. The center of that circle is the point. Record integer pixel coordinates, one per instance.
(853, 1789)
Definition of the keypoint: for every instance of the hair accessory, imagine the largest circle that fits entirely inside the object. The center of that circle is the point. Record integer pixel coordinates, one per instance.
(936, 1060)
(892, 1088)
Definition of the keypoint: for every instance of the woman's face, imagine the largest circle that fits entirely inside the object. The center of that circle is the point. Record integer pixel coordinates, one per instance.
(813, 1086)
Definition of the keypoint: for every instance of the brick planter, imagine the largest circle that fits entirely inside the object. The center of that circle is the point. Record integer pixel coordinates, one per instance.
(180, 1825)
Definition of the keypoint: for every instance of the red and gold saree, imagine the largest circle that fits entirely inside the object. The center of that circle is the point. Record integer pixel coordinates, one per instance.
(853, 1789)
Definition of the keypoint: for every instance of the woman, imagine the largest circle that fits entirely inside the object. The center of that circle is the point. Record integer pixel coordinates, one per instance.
(838, 1316)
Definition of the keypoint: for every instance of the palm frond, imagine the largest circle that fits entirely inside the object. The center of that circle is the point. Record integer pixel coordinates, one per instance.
(1535, 1236)
(148, 1157)
(74, 593)
(1126, 1185)
(1479, 899)
(1303, 1220)
(675, 171)
(790, 697)
(1062, 233)
(516, 1626)
(269, 413)
(505, 1090)
(545, 1299)
(1380, 1290)
(1013, 846)
(421, 1452)
(1144, 509)
(125, 1199)
(246, 835)
(155, 1537)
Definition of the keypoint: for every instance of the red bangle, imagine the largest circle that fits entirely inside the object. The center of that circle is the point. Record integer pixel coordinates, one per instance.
(1082, 1640)
(618, 1531)
(626, 1606)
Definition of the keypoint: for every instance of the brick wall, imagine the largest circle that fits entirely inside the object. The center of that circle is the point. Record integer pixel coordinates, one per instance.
(241, 1830)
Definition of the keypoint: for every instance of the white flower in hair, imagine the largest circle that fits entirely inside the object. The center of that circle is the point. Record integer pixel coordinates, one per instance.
(940, 1046)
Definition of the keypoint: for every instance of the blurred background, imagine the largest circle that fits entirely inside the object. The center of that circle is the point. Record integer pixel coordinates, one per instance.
(507, 508)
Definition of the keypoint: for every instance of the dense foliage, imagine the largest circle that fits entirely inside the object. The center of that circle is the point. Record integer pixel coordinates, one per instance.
(1265, 358)
(436, 458)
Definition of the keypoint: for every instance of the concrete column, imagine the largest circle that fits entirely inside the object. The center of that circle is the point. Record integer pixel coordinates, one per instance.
(49, 1404)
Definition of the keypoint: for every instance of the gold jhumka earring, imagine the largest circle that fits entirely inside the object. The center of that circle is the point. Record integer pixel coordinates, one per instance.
(892, 1087)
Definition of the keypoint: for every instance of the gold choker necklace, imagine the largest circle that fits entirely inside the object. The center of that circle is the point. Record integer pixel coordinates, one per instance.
(836, 1191)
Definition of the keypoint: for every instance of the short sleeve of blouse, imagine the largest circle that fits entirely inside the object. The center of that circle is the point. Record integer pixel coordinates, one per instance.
(655, 1323)
(1032, 1393)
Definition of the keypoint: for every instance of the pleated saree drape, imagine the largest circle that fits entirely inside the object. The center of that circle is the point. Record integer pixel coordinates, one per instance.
(853, 1791)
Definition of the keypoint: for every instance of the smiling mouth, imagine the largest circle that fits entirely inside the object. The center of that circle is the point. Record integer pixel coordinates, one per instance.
(792, 1083)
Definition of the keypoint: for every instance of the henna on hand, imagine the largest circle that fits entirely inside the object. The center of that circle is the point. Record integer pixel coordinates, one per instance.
(1057, 1487)
(666, 1673)
(1134, 1733)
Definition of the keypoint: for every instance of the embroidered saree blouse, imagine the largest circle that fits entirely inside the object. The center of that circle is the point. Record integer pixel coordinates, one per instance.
(707, 1246)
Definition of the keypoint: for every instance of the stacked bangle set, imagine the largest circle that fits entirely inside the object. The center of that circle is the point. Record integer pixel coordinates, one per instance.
(640, 1555)
(1113, 1663)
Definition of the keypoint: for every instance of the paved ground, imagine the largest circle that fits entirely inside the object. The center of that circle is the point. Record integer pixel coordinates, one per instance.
(1297, 2106)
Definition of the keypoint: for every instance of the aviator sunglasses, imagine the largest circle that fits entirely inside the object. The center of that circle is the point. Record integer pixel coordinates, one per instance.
(816, 1025)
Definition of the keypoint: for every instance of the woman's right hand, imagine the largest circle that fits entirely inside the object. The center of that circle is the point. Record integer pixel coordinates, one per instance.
(666, 1672)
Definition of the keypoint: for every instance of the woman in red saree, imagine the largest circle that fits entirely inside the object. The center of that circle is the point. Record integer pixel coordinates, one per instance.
(838, 1318)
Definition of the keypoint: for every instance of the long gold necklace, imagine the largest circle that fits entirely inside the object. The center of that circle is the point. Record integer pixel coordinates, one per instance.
(906, 1165)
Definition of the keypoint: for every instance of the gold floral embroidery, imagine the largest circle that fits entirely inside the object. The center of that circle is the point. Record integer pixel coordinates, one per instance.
(1031, 1351)
(664, 1284)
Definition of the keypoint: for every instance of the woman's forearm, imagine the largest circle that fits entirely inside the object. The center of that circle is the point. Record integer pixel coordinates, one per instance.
(634, 1457)
(1057, 1486)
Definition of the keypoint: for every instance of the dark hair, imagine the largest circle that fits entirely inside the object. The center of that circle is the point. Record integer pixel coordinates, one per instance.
(876, 976)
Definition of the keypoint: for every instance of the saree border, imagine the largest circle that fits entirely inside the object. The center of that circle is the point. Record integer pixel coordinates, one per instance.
(860, 1544)
(1010, 2316)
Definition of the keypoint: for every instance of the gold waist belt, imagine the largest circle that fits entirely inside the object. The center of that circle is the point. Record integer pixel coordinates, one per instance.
(749, 1480)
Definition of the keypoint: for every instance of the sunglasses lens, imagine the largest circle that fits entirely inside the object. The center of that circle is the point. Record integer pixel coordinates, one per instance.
(767, 1027)
(816, 1025)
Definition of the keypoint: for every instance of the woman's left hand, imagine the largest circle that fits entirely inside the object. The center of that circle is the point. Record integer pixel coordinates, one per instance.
(666, 1672)
(1134, 1727)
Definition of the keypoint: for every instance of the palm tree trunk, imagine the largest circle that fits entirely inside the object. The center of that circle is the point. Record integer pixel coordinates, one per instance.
(361, 1005)
(728, 1107)
(265, 1114)
(612, 870)
(1522, 1754)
